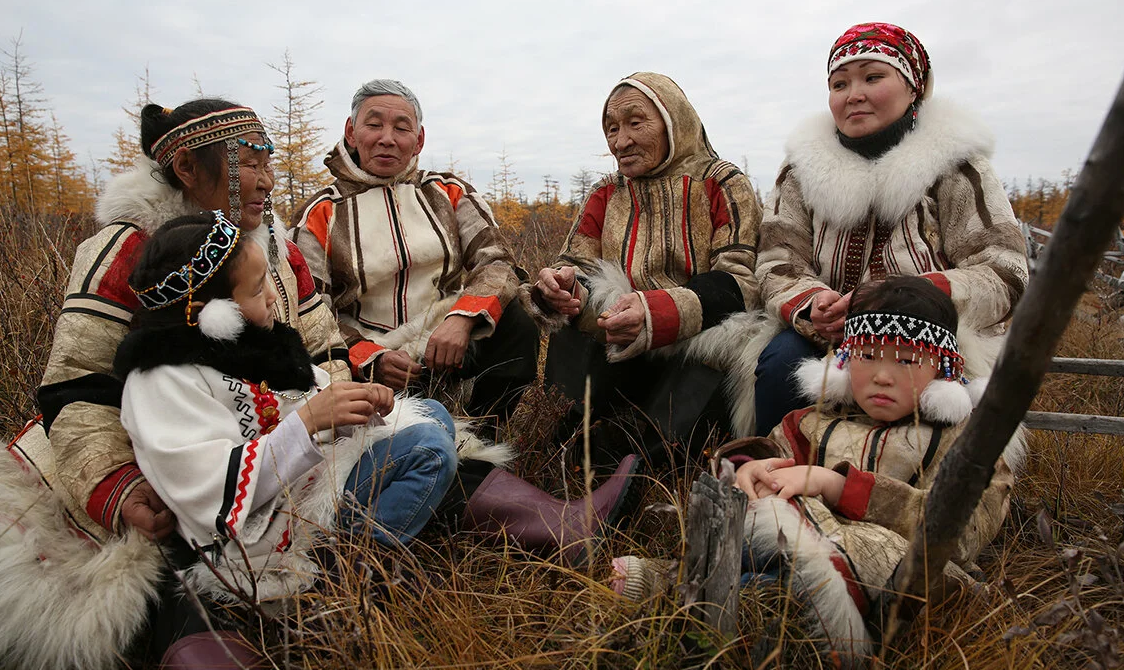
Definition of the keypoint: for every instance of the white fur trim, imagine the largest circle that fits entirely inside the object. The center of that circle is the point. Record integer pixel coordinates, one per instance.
(816, 377)
(843, 187)
(831, 612)
(976, 389)
(141, 196)
(944, 401)
(221, 319)
(471, 447)
(65, 602)
(260, 235)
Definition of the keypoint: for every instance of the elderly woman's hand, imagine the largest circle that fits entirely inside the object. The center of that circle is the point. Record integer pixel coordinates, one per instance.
(623, 320)
(559, 288)
(829, 310)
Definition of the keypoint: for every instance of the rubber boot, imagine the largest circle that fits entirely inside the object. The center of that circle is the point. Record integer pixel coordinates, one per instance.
(209, 651)
(537, 520)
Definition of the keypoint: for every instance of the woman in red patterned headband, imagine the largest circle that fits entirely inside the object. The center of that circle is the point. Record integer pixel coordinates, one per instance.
(889, 181)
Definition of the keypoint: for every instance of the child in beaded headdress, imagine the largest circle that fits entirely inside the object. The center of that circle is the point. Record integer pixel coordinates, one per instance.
(845, 480)
(249, 444)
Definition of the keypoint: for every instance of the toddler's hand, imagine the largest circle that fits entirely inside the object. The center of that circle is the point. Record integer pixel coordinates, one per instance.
(810, 480)
(382, 398)
(758, 478)
(340, 404)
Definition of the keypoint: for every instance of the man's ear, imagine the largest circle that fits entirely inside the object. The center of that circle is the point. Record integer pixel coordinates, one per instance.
(421, 141)
(349, 132)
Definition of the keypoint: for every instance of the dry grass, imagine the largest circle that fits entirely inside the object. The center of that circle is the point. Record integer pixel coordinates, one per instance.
(1053, 597)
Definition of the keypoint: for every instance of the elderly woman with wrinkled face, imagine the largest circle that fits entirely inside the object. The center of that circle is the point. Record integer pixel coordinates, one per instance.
(659, 259)
(887, 182)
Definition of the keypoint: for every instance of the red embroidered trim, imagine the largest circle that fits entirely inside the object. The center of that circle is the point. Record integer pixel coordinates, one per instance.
(265, 406)
(106, 497)
(243, 483)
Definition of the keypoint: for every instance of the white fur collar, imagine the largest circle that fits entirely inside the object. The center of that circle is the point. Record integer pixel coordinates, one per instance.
(843, 187)
(142, 197)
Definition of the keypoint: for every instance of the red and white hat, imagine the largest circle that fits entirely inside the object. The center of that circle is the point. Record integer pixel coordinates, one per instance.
(886, 43)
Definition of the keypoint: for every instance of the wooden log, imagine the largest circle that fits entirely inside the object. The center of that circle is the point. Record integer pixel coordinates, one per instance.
(1103, 367)
(715, 532)
(1075, 423)
(1086, 227)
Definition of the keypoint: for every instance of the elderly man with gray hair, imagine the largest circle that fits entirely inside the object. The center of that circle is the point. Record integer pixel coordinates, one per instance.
(413, 262)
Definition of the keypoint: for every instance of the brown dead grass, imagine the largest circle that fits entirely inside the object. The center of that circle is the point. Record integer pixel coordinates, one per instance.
(1053, 595)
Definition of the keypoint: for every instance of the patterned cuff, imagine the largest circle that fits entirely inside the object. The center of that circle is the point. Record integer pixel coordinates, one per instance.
(362, 354)
(856, 492)
(487, 306)
(105, 501)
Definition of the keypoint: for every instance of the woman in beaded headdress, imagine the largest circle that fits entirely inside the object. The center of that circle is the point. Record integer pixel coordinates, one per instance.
(888, 181)
(206, 154)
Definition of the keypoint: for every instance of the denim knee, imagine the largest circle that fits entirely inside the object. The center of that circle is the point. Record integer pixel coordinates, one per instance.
(441, 415)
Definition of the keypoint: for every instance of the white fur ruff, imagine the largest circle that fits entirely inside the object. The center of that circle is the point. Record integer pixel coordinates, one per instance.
(843, 187)
(65, 602)
(832, 614)
(944, 401)
(221, 319)
(822, 378)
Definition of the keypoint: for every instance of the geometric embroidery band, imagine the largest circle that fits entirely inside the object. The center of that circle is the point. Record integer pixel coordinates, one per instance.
(180, 284)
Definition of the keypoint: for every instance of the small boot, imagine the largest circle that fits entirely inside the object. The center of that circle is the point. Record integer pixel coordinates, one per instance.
(538, 520)
(205, 651)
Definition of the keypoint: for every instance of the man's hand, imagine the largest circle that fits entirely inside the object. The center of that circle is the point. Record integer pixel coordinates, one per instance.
(622, 321)
(829, 311)
(446, 346)
(756, 477)
(145, 511)
(559, 289)
(396, 369)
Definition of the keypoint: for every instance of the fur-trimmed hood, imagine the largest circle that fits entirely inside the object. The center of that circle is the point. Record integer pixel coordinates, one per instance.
(351, 178)
(843, 187)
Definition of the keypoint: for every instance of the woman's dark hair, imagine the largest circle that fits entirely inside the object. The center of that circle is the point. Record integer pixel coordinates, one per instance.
(155, 122)
(169, 248)
(913, 296)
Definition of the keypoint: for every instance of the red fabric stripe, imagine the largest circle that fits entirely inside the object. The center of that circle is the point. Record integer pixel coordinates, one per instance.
(856, 493)
(478, 304)
(114, 284)
(797, 302)
(243, 483)
(801, 447)
(719, 212)
(104, 501)
(940, 281)
(853, 589)
(305, 286)
(632, 237)
(665, 318)
(361, 352)
(684, 225)
(593, 213)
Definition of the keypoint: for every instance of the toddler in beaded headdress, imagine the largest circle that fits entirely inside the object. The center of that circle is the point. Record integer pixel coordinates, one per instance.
(845, 480)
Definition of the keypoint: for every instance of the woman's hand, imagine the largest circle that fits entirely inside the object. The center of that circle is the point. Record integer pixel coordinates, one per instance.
(558, 287)
(340, 404)
(829, 311)
(757, 477)
(144, 510)
(623, 320)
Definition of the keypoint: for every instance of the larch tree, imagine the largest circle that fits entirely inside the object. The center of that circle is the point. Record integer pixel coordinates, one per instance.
(504, 194)
(126, 139)
(70, 190)
(25, 136)
(298, 167)
(581, 184)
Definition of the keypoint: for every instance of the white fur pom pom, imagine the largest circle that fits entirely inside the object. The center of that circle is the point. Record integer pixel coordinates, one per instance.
(945, 401)
(976, 389)
(810, 377)
(220, 319)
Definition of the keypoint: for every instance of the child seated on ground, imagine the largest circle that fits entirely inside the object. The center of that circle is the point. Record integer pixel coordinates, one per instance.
(845, 480)
(244, 439)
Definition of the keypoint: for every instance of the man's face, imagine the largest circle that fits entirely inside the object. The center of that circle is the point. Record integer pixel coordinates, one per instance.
(635, 131)
(386, 134)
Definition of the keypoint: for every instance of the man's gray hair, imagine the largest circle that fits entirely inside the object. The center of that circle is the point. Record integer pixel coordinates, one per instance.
(383, 87)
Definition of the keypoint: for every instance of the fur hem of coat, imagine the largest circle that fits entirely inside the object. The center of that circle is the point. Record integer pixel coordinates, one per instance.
(842, 186)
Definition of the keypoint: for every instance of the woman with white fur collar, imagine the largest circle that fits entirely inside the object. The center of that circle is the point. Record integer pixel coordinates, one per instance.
(889, 182)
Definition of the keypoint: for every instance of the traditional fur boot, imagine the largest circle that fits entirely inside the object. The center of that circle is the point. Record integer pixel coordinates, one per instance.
(537, 520)
(210, 651)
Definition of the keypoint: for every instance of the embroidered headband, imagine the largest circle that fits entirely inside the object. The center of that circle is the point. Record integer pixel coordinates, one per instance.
(921, 335)
(887, 43)
(206, 129)
(214, 251)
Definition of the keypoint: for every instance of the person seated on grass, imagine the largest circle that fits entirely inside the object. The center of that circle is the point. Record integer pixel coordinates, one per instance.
(845, 481)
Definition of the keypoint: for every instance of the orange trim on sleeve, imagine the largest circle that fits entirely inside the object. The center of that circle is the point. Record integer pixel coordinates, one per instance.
(940, 281)
(317, 223)
(475, 305)
(453, 191)
(361, 352)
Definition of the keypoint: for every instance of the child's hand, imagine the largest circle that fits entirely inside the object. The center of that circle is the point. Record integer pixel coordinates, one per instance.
(809, 480)
(382, 398)
(757, 478)
(340, 404)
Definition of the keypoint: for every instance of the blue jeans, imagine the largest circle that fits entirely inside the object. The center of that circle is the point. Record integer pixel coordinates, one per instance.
(401, 479)
(775, 393)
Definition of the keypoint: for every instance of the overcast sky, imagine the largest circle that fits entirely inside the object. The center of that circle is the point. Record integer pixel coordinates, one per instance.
(531, 77)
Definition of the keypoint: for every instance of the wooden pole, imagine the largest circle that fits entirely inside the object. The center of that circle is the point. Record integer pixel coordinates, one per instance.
(1085, 229)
